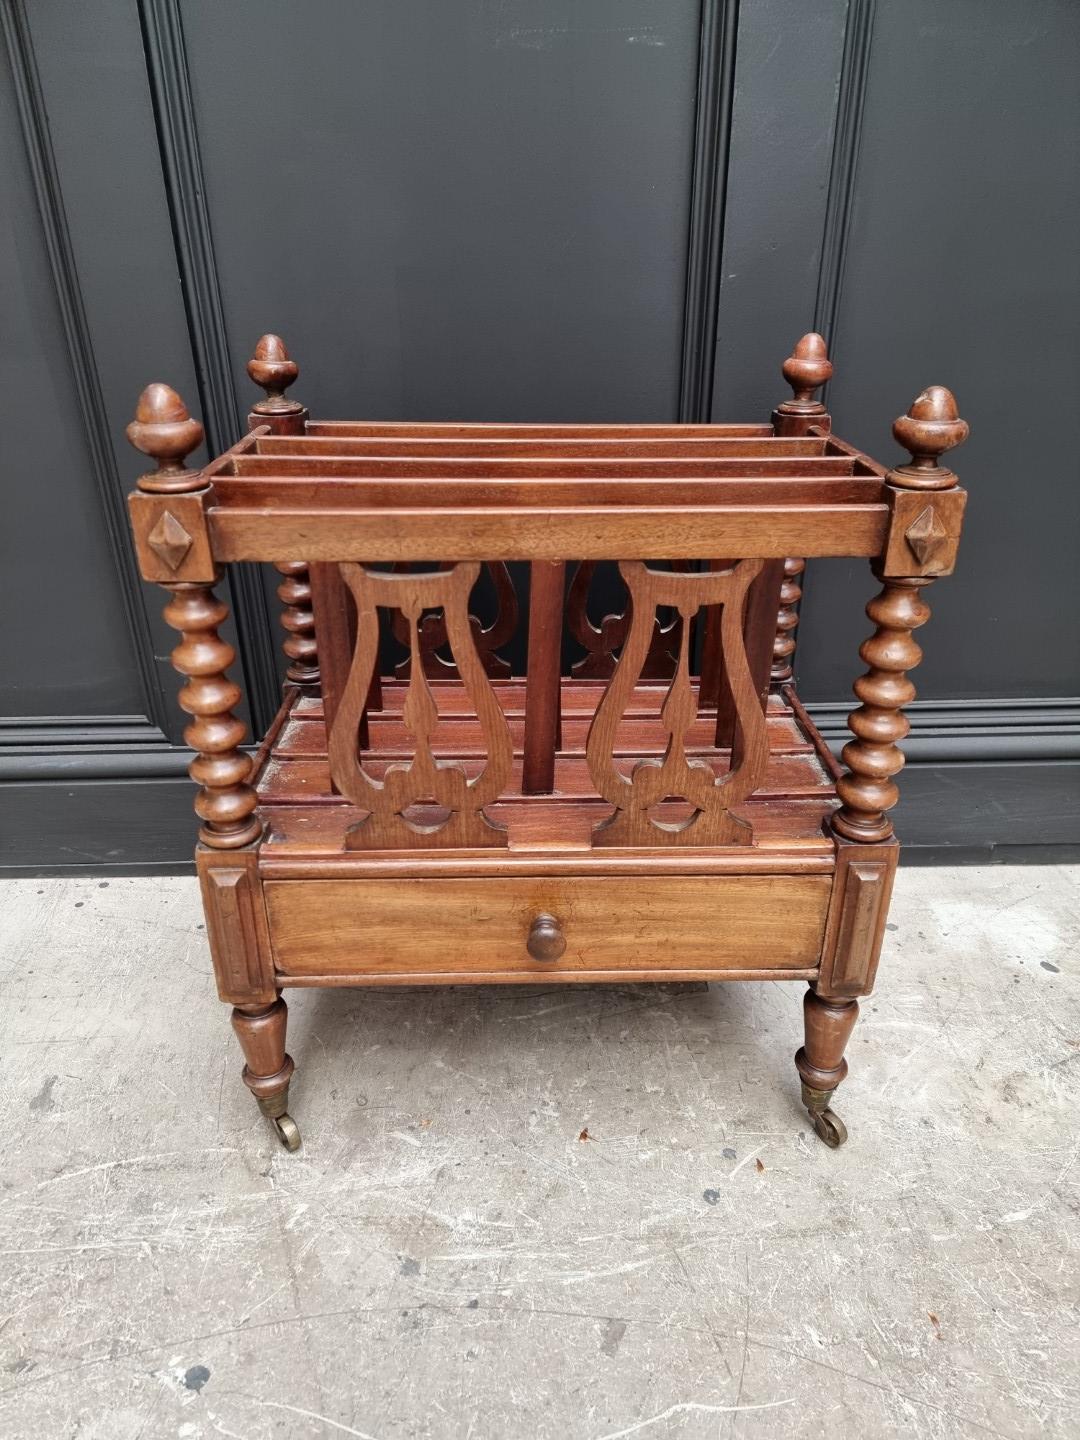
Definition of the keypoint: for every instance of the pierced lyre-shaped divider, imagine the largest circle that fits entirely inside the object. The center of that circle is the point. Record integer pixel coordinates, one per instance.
(600, 642)
(675, 776)
(423, 780)
(489, 638)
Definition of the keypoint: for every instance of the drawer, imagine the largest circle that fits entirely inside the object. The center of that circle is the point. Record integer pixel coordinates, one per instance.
(667, 927)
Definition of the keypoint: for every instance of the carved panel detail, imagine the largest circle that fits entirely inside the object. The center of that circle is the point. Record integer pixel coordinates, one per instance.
(424, 780)
(489, 638)
(927, 537)
(169, 540)
(600, 642)
(674, 775)
(236, 926)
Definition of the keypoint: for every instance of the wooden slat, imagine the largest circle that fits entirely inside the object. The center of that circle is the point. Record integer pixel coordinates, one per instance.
(306, 781)
(294, 491)
(547, 585)
(439, 467)
(448, 430)
(579, 697)
(322, 447)
(335, 633)
(712, 658)
(759, 631)
(458, 734)
(790, 826)
(517, 533)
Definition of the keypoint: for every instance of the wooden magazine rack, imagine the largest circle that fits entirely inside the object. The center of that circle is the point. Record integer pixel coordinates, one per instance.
(647, 801)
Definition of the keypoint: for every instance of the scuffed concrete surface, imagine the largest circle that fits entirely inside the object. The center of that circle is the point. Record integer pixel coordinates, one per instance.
(448, 1258)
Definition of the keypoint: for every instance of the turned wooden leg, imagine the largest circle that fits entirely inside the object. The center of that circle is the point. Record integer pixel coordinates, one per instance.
(827, 1026)
(261, 1032)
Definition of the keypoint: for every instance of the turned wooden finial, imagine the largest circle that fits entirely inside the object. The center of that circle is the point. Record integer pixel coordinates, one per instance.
(806, 369)
(164, 430)
(931, 426)
(272, 368)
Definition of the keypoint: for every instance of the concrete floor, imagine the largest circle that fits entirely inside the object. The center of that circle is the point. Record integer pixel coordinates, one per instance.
(449, 1257)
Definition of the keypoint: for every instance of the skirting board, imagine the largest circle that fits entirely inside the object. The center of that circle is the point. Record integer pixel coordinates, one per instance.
(963, 813)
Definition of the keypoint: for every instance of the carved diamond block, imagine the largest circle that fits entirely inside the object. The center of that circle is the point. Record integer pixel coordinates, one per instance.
(170, 541)
(927, 537)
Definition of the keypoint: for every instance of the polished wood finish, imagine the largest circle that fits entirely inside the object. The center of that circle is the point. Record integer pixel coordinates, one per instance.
(662, 809)
(543, 710)
(226, 802)
(481, 928)
(787, 621)
(433, 639)
(653, 781)
(806, 370)
(298, 621)
(445, 783)
(872, 758)
(546, 939)
(827, 1027)
(164, 430)
(930, 427)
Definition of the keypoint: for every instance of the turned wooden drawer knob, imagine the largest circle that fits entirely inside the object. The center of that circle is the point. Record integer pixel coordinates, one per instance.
(546, 939)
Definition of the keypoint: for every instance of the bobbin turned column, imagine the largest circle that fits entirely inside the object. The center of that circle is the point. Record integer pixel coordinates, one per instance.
(272, 368)
(806, 369)
(787, 621)
(926, 507)
(169, 517)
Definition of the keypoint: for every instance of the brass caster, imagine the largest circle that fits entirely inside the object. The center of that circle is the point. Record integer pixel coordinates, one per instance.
(829, 1127)
(285, 1127)
(827, 1124)
(288, 1132)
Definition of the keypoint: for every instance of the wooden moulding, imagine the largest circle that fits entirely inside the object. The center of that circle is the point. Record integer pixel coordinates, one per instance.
(236, 925)
(360, 491)
(171, 537)
(498, 430)
(924, 531)
(395, 931)
(857, 914)
(761, 465)
(604, 532)
(572, 454)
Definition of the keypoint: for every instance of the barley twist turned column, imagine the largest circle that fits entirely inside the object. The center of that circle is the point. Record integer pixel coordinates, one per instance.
(272, 368)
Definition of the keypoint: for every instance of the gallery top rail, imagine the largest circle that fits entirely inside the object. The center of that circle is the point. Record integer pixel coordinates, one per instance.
(398, 491)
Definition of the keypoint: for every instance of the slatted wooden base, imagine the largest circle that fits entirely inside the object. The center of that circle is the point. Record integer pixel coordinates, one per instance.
(307, 821)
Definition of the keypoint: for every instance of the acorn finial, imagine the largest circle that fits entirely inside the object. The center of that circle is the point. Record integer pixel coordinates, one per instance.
(806, 369)
(164, 430)
(931, 426)
(272, 368)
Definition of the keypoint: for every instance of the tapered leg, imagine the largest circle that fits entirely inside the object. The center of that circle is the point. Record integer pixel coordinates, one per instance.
(261, 1032)
(827, 1026)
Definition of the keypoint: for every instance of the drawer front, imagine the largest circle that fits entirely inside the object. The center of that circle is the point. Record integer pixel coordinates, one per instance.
(660, 928)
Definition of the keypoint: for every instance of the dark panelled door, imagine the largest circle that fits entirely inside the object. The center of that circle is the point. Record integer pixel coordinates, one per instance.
(619, 210)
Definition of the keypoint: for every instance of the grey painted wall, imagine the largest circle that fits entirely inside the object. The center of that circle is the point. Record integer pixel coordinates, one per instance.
(537, 209)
